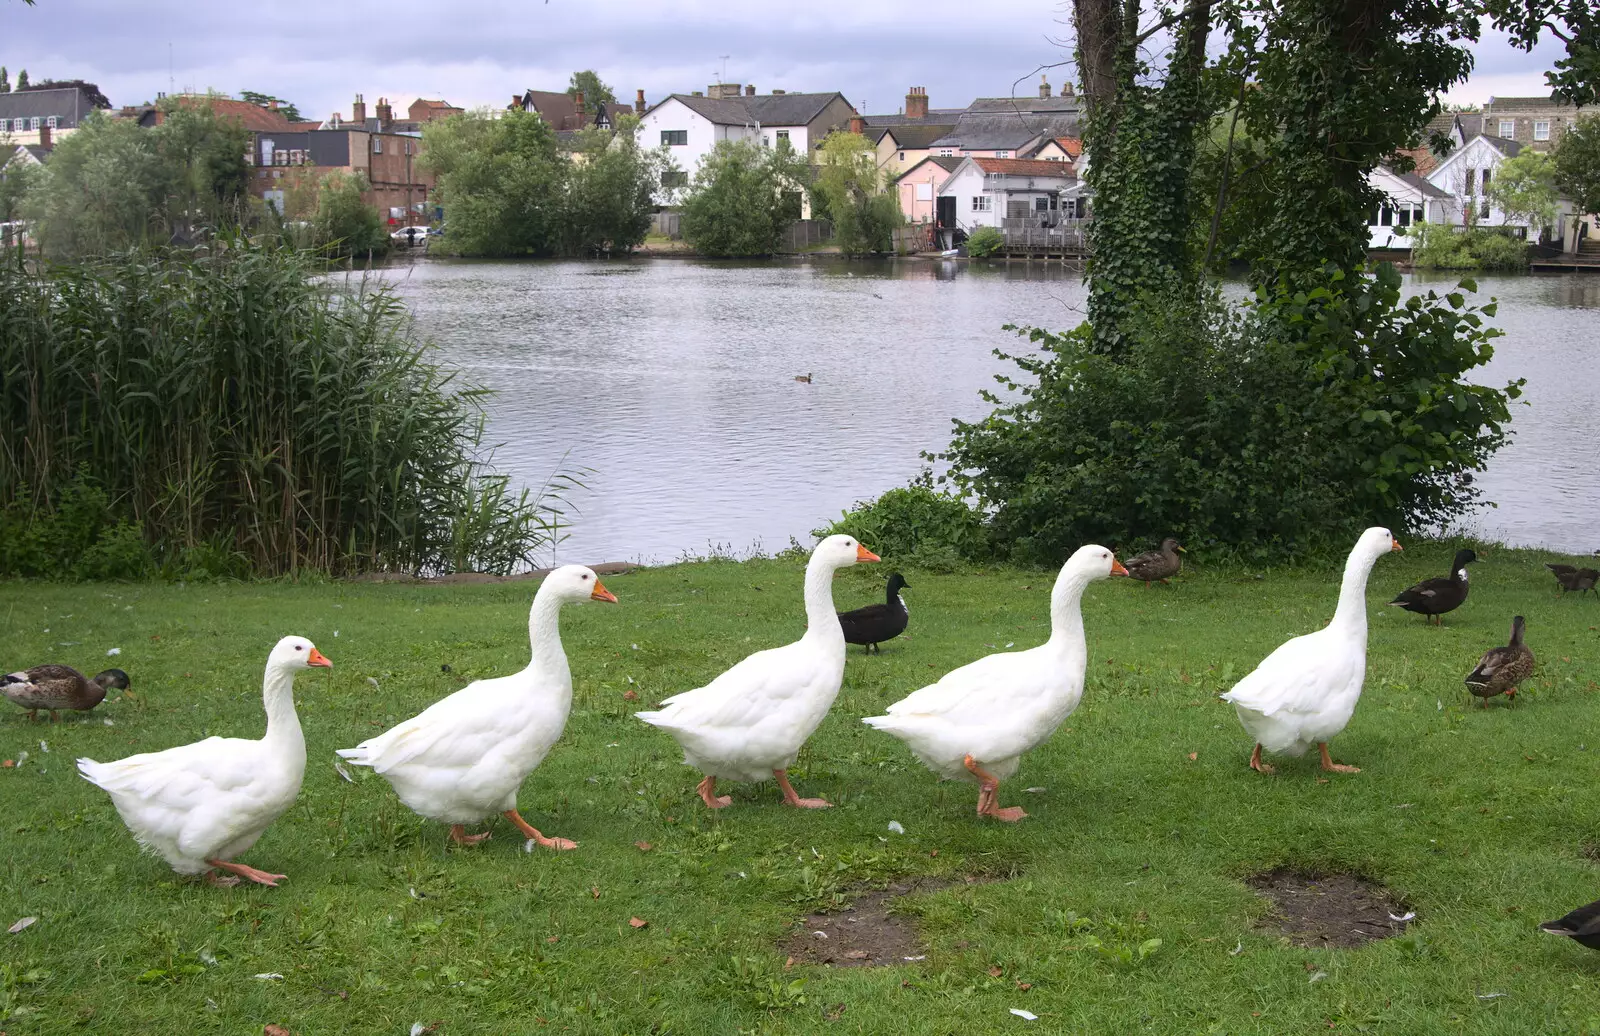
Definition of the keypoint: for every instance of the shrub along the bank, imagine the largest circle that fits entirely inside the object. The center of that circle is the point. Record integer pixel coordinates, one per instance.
(1439, 247)
(223, 411)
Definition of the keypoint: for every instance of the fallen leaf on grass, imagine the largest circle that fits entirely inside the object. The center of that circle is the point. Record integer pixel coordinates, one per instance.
(1035, 791)
(553, 939)
(26, 922)
(638, 922)
(1024, 986)
(643, 847)
(855, 954)
(630, 695)
(8, 764)
(274, 1030)
(833, 1013)
(594, 891)
(1027, 1016)
(996, 971)
(1322, 780)
(1193, 756)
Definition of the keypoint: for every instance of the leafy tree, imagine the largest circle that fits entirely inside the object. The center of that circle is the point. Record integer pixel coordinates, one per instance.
(858, 196)
(22, 80)
(345, 224)
(97, 98)
(596, 94)
(500, 180)
(5, 80)
(1524, 188)
(611, 191)
(261, 100)
(1577, 161)
(741, 200)
(17, 181)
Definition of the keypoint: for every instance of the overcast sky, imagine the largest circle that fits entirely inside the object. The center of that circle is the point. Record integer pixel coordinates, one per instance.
(319, 54)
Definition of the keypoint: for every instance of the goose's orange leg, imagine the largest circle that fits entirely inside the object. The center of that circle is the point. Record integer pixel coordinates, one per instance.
(988, 797)
(1331, 766)
(792, 799)
(1259, 766)
(458, 835)
(243, 871)
(533, 832)
(707, 790)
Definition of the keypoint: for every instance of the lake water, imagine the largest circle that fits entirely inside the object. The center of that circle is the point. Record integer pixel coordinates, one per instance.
(673, 382)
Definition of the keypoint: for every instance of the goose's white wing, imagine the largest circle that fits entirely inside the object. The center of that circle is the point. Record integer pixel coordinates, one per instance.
(972, 692)
(450, 733)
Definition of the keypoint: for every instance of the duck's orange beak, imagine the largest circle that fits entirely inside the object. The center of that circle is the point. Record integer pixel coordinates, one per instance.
(317, 658)
(1396, 544)
(1116, 567)
(863, 554)
(600, 593)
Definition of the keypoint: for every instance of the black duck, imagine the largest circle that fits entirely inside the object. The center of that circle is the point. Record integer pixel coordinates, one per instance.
(1501, 669)
(55, 687)
(1569, 577)
(1156, 565)
(1431, 598)
(1582, 926)
(872, 625)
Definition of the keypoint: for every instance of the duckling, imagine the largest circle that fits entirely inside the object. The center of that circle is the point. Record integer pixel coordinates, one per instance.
(1582, 926)
(55, 687)
(875, 623)
(1580, 579)
(803, 377)
(1501, 669)
(1431, 598)
(1157, 565)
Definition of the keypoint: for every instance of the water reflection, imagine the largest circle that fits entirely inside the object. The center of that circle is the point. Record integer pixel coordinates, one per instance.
(674, 381)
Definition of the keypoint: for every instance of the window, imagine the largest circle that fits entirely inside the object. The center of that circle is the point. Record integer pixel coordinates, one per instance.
(297, 156)
(1041, 204)
(1483, 182)
(280, 157)
(946, 152)
(982, 203)
(783, 135)
(1508, 127)
(1469, 191)
(1402, 217)
(1002, 154)
(902, 156)
(1385, 216)
(1541, 129)
(1052, 158)
(674, 178)
(1483, 209)
(377, 145)
(675, 138)
(766, 141)
(51, 122)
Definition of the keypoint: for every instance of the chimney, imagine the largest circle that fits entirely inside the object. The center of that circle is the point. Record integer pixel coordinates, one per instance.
(385, 114)
(1044, 87)
(638, 102)
(516, 102)
(358, 110)
(698, 93)
(917, 103)
(1066, 89)
(578, 108)
(858, 125)
(44, 137)
(779, 93)
(722, 91)
(750, 90)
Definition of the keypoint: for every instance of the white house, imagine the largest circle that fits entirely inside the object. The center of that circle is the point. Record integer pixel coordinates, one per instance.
(690, 125)
(1408, 199)
(983, 191)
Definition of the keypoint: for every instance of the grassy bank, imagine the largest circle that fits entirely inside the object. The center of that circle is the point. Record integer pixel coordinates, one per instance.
(1149, 820)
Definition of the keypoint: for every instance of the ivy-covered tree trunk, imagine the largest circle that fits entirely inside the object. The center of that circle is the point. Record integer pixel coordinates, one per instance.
(1141, 142)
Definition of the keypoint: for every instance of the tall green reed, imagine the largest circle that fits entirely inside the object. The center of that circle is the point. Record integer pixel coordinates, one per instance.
(225, 399)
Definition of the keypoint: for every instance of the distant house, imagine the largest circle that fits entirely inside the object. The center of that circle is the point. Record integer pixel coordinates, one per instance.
(382, 119)
(423, 111)
(23, 154)
(1059, 149)
(918, 187)
(1011, 127)
(904, 138)
(1466, 175)
(564, 111)
(984, 192)
(1536, 122)
(1408, 199)
(60, 110)
(252, 117)
(690, 125)
(399, 188)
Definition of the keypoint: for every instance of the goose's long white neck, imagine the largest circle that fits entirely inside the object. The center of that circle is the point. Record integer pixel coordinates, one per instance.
(822, 621)
(1351, 615)
(283, 724)
(1066, 612)
(544, 635)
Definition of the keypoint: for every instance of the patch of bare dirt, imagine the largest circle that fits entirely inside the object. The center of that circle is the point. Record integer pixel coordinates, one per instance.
(1590, 850)
(1319, 911)
(867, 933)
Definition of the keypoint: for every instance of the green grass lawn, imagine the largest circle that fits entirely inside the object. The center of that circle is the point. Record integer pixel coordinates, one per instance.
(1479, 819)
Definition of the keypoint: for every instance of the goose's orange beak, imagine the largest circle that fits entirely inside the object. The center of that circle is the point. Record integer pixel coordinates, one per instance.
(1396, 544)
(863, 554)
(1116, 567)
(600, 593)
(319, 659)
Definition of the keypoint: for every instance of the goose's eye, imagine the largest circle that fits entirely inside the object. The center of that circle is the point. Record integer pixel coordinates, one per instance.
(297, 647)
(586, 577)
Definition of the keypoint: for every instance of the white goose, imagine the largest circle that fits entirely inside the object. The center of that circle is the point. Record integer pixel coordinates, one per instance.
(463, 758)
(977, 721)
(201, 805)
(1306, 691)
(750, 722)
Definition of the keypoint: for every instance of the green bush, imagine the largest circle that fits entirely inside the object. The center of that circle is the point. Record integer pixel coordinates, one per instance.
(1440, 247)
(345, 224)
(1264, 431)
(984, 242)
(741, 201)
(238, 416)
(917, 525)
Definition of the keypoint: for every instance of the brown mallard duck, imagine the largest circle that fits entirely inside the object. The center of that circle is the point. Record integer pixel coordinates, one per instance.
(1431, 598)
(1569, 577)
(1501, 669)
(1157, 565)
(55, 687)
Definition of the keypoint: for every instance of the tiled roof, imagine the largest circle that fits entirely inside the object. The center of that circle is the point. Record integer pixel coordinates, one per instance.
(560, 110)
(1427, 189)
(1054, 105)
(250, 116)
(993, 131)
(767, 109)
(917, 136)
(944, 115)
(946, 162)
(1073, 146)
(432, 104)
(1508, 147)
(1527, 102)
(69, 105)
(1024, 167)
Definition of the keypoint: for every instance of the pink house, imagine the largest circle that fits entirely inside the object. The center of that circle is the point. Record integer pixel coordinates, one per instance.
(919, 187)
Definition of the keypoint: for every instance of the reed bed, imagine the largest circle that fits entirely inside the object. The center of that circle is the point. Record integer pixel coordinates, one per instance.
(227, 403)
